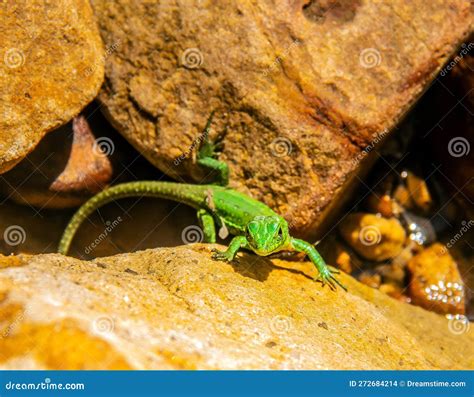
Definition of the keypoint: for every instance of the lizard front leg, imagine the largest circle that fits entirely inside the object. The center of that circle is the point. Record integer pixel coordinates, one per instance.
(234, 246)
(324, 271)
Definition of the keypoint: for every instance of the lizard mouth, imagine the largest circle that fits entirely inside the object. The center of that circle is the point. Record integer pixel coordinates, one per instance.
(265, 251)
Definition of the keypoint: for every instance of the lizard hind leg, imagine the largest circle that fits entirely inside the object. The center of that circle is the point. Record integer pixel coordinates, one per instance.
(208, 226)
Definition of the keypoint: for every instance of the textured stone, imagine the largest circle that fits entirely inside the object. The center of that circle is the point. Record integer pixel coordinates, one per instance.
(300, 87)
(175, 308)
(51, 66)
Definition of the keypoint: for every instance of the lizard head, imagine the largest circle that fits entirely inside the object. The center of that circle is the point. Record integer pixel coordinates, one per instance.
(267, 234)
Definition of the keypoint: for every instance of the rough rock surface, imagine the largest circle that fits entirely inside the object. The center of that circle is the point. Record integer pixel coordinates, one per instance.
(51, 66)
(178, 309)
(301, 88)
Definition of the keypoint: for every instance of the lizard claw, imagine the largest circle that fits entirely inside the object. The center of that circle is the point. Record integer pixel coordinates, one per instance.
(331, 281)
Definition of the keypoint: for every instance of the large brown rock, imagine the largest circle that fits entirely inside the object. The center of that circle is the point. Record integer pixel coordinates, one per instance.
(123, 226)
(51, 66)
(301, 88)
(175, 308)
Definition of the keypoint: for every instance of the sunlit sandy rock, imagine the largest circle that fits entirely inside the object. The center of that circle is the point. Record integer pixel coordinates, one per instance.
(175, 308)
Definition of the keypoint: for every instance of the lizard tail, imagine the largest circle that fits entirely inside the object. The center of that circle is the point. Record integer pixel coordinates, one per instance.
(167, 190)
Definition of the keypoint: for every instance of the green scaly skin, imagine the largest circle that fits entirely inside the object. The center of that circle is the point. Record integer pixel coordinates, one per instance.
(255, 226)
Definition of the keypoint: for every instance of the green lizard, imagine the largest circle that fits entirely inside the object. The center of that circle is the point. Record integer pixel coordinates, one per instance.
(255, 226)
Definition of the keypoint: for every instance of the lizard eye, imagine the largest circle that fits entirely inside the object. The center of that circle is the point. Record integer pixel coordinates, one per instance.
(280, 233)
(252, 227)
